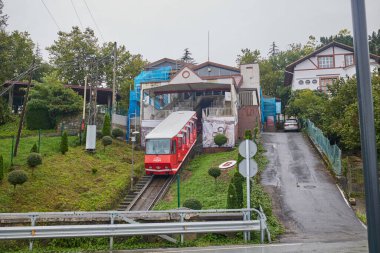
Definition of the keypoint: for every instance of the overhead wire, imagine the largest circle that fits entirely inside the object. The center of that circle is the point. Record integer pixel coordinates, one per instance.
(93, 19)
(51, 15)
(76, 13)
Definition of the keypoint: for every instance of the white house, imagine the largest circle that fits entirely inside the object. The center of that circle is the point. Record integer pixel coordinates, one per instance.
(322, 67)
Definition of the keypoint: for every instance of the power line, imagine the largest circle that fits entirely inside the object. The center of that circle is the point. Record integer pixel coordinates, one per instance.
(51, 15)
(76, 13)
(93, 19)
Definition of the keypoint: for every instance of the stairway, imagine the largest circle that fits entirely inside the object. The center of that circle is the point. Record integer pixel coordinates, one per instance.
(123, 206)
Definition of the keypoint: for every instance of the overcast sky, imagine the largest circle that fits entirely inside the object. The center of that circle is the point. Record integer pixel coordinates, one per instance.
(163, 28)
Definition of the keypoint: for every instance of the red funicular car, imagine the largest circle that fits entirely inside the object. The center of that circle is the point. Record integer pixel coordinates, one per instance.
(169, 143)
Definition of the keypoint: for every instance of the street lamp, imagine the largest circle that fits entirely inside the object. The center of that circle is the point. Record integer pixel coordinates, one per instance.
(133, 139)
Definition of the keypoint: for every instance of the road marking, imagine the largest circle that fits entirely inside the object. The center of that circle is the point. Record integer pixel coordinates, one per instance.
(229, 248)
(344, 197)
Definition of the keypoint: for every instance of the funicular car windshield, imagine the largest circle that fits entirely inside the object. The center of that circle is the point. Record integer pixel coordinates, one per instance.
(158, 147)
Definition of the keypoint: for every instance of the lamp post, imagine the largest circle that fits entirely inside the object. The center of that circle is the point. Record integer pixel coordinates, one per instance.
(133, 139)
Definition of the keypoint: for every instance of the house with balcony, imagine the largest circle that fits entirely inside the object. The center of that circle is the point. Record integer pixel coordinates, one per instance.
(323, 66)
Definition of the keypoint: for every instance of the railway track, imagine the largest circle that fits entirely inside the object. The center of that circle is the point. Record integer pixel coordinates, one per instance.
(150, 189)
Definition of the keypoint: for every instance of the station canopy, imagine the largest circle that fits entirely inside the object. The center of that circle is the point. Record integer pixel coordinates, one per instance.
(189, 87)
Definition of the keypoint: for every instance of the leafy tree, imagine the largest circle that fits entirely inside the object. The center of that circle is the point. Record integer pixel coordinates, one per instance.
(214, 172)
(248, 57)
(34, 148)
(64, 146)
(106, 131)
(187, 56)
(3, 17)
(33, 160)
(232, 197)
(106, 140)
(1, 168)
(220, 139)
(374, 42)
(117, 132)
(5, 112)
(193, 204)
(17, 177)
(344, 36)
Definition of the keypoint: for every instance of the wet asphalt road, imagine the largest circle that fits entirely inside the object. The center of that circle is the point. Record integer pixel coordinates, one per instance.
(306, 197)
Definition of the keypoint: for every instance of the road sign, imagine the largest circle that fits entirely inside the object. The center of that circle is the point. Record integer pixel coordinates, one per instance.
(253, 168)
(243, 148)
(227, 164)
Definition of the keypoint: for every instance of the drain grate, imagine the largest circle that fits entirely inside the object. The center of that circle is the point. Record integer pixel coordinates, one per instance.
(309, 186)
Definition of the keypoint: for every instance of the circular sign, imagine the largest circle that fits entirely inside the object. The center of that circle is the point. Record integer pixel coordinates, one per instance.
(252, 147)
(185, 74)
(253, 168)
(227, 164)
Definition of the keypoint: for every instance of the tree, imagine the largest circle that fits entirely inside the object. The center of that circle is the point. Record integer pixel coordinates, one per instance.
(344, 36)
(34, 148)
(64, 146)
(374, 42)
(72, 52)
(5, 112)
(3, 17)
(1, 168)
(248, 57)
(117, 132)
(187, 56)
(106, 131)
(232, 197)
(220, 139)
(106, 140)
(17, 177)
(33, 160)
(214, 172)
(238, 180)
(273, 50)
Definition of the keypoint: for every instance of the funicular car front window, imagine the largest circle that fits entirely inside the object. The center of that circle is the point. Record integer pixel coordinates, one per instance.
(158, 147)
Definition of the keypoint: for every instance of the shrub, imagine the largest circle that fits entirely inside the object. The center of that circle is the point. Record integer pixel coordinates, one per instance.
(34, 159)
(17, 177)
(34, 149)
(192, 204)
(231, 197)
(94, 170)
(117, 132)
(220, 139)
(5, 112)
(106, 140)
(1, 168)
(248, 135)
(214, 172)
(99, 134)
(64, 146)
(37, 115)
(238, 180)
(106, 131)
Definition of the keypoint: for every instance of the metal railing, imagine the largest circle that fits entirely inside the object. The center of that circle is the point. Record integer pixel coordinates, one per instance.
(105, 224)
(216, 112)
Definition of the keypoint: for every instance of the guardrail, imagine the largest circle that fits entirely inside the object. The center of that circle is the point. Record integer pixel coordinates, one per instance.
(121, 229)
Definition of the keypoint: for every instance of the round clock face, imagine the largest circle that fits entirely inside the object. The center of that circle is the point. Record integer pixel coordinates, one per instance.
(185, 74)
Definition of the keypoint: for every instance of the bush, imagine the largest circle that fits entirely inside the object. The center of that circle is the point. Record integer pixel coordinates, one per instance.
(5, 112)
(17, 177)
(214, 172)
(231, 197)
(248, 135)
(34, 149)
(99, 134)
(106, 131)
(117, 132)
(1, 168)
(238, 180)
(64, 146)
(34, 159)
(37, 116)
(220, 140)
(106, 140)
(192, 204)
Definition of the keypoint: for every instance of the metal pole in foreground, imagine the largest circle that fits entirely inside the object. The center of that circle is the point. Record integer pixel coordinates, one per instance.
(248, 185)
(367, 128)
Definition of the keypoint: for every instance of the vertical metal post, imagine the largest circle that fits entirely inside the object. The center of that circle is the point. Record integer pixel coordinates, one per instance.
(245, 233)
(39, 140)
(178, 191)
(248, 185)
(13, 144)
(182, 217)
(111, 238)
(114, 79)
(133, 148)
(262, 230)
(367, 127)
(33, 223)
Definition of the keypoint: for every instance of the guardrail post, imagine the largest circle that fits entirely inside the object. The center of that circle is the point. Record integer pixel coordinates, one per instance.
(262, 230)
(111, 238)
(182, 219)
(32, 223)
(245, 232)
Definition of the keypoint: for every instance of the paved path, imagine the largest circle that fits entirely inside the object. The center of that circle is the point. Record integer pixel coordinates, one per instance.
(306, 197)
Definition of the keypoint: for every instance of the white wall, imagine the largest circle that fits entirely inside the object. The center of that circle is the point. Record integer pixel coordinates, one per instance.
(251, 76)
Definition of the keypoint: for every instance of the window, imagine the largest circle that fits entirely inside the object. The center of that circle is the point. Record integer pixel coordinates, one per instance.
(325, 82)
(349, 59)
(307, 81)
(300, 82)
(314, 81)
(158, 146)
(325, 62)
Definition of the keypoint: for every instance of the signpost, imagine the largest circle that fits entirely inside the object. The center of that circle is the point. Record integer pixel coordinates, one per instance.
(248, 168)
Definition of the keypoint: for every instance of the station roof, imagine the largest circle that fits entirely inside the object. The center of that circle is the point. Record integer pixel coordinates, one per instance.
(189, 87)
(171, 126)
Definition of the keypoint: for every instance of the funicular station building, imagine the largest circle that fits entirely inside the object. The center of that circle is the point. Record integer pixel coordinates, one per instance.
(226, 99)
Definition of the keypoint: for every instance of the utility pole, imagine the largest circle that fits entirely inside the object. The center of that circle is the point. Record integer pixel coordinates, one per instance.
(114, 79)
(23, 108)
(367, 125)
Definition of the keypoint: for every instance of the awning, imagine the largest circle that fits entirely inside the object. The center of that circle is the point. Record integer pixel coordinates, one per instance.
(189, 87)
